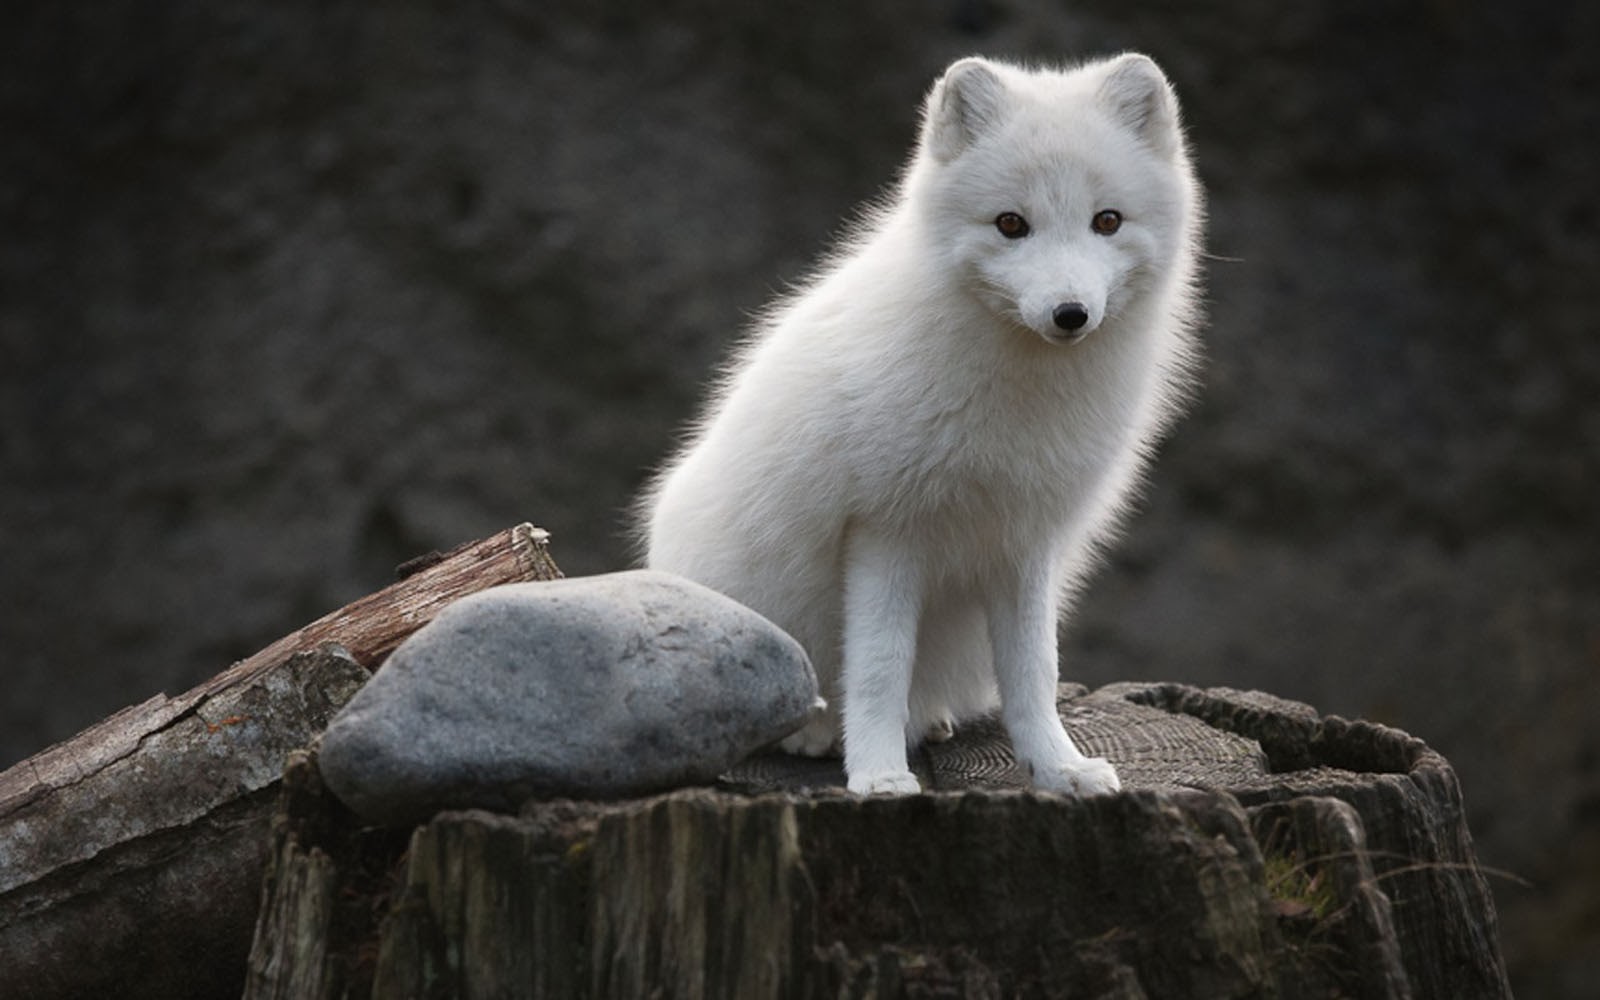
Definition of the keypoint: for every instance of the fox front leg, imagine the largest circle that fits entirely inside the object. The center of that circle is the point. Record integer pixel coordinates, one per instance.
(1022, 623)
(882, 601)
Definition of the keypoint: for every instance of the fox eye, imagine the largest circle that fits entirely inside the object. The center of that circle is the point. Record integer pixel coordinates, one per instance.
(1106, 221)
(1011, 225)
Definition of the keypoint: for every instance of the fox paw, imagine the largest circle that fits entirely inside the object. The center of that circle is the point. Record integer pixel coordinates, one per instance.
(1084, 776)
(940, 730)
(817, 738)
(885, 783)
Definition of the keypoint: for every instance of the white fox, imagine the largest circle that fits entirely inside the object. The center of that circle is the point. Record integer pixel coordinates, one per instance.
(911, 463)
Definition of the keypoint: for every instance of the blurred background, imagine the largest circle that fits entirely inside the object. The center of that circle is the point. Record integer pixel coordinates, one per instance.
(292, 292)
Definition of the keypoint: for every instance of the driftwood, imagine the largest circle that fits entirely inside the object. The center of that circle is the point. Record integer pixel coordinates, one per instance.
(131, 855)
(1260, 851)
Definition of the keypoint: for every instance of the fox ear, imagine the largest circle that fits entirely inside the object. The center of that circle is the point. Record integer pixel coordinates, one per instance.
(968, 101)
(1137, 94)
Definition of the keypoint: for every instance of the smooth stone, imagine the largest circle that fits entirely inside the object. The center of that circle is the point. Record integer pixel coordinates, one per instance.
(595, 687)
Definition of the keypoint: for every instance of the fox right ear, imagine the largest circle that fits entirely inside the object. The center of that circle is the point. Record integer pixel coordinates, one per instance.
(965, 103)
(1137, 93)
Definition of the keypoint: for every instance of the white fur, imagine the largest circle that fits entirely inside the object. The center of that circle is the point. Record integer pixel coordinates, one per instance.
(909, 466)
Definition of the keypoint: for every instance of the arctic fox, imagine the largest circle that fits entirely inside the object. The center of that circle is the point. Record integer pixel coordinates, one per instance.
(911, 463)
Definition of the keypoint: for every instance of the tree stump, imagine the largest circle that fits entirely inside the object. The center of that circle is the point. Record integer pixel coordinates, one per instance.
(131, 855)
(1259, 850)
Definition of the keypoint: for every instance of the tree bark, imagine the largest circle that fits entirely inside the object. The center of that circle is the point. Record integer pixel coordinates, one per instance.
(131, 855)
(1259, 851)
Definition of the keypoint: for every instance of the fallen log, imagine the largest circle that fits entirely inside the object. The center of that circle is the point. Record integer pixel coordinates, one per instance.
(131, 855)
(1259, 850)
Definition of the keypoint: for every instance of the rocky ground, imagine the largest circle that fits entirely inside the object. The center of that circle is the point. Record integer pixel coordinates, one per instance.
(290, 293)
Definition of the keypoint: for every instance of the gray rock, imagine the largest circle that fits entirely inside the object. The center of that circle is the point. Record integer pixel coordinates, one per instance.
(600, 686)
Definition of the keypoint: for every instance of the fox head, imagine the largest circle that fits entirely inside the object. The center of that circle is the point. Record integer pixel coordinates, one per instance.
(1064, 199)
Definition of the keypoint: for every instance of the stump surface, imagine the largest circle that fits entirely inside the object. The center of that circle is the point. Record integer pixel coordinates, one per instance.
(1259, 850)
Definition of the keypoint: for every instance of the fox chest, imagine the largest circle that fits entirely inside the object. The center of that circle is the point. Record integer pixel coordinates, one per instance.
(990, 455)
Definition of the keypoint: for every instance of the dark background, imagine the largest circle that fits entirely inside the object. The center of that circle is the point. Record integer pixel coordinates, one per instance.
(291, 292)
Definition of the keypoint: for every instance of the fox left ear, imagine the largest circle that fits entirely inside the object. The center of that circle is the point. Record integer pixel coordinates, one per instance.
(968, 101)
(1137, 94)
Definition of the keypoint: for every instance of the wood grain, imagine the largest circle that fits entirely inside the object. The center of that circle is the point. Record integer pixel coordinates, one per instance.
(146, 833)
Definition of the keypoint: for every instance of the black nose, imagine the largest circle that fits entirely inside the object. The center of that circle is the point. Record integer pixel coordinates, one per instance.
(1070, 315)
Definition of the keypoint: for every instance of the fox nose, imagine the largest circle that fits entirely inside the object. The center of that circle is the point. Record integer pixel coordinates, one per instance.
(1070, 315)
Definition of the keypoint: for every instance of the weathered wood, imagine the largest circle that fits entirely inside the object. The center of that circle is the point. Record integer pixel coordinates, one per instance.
(370, 628)
(1327, 897)
(335, 893)
(130, 855)
(1412, 818)
(1221, 872)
